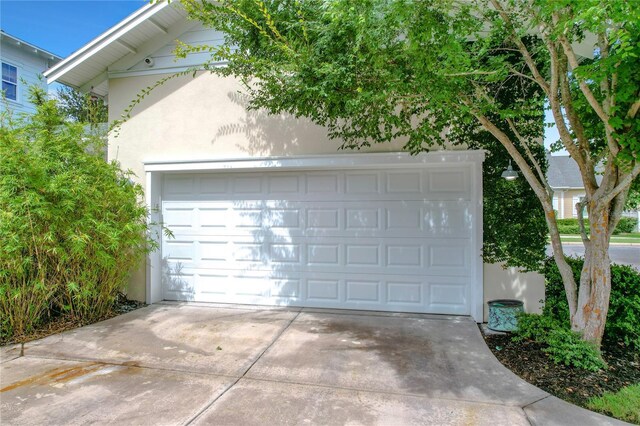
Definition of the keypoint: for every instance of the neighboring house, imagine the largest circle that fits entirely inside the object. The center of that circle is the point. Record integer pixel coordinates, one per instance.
(265, 209)
(22, 66)
(565, 180)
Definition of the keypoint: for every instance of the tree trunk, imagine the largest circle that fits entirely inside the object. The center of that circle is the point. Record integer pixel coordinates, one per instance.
(595, 278)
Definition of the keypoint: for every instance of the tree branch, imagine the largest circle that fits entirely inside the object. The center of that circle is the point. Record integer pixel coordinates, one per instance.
(519, 74)
(623, 184)
(464, 74)
(522, 48)
(574, 120)
(603, 45)
(633, 109)
(588, 175)
(588, 94)
(565, 136)
(533, 160)
(580, 205)
(616, 211)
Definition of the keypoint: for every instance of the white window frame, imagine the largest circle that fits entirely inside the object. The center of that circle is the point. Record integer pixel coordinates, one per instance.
(17, 82)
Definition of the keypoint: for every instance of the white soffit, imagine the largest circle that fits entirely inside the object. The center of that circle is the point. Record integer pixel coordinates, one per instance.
(86, 69)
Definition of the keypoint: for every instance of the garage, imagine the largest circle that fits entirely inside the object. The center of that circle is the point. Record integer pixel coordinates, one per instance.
(386, 232)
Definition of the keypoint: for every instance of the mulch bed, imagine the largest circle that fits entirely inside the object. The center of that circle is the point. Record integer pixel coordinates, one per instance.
(60, 323)
(574, 385)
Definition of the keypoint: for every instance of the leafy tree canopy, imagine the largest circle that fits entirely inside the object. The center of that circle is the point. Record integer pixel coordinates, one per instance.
(81, 107)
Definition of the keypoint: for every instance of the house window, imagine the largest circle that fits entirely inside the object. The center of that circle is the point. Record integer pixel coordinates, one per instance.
(10, 81)
(576, 199)
(556, 204)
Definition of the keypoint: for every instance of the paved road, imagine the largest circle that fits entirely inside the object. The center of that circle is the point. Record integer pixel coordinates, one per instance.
(627, 254)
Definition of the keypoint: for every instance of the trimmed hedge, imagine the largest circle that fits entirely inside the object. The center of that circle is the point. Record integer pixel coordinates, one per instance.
(571, 226)
(626, 225)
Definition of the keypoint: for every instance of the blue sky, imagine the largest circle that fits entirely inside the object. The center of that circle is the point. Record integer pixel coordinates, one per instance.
(62, 27)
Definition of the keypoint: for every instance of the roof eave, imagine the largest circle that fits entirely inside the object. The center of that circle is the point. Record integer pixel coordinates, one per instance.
(23, 43)
(96, 45)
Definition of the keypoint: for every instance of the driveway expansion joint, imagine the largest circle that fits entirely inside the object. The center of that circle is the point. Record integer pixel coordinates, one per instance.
(273, 341)
(381, 392)
(535, 402)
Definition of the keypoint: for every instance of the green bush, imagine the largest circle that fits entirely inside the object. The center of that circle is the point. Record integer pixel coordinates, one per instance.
(72, 226)
(562, 345)
(571, 226)
(624, 304)
(626, 225)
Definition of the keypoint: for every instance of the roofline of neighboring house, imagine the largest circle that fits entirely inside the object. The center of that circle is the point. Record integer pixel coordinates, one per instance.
(21, 43)
(105, 39)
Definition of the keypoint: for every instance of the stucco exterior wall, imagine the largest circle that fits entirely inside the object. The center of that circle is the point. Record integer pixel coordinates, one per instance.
(205, 118)
(509, 283)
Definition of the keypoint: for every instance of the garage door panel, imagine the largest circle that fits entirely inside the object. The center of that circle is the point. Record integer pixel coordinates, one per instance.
(323, 183)
(324, 290)
(448, 184)
(358, 291)
(284, 183)
(212, 185)
(358, 183)
(179, 284)
(394, 240)
(323, 255)
(245, 186)
(447, 257)
(405, 182)
(179, 186)
(177, 217)
(439, 182)
(349, 219)
(179, 250)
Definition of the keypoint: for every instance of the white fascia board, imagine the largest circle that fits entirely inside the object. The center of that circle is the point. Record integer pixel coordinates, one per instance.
(99, 43)
(338, 161)
(156, 71)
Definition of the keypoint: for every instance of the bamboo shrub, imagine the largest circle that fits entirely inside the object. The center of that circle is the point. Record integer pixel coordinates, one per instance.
(72, 226)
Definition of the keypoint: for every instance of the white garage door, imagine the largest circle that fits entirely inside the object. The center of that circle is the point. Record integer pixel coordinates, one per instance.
(394, 240)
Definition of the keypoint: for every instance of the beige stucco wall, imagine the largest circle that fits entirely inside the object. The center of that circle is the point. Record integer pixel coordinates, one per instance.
(204, 118)
(509, 283)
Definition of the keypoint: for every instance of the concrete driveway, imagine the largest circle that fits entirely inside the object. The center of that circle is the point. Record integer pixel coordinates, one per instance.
(200, 364)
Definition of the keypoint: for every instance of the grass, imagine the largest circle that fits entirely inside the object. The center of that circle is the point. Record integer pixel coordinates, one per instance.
(623, 405)
(633, 237)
